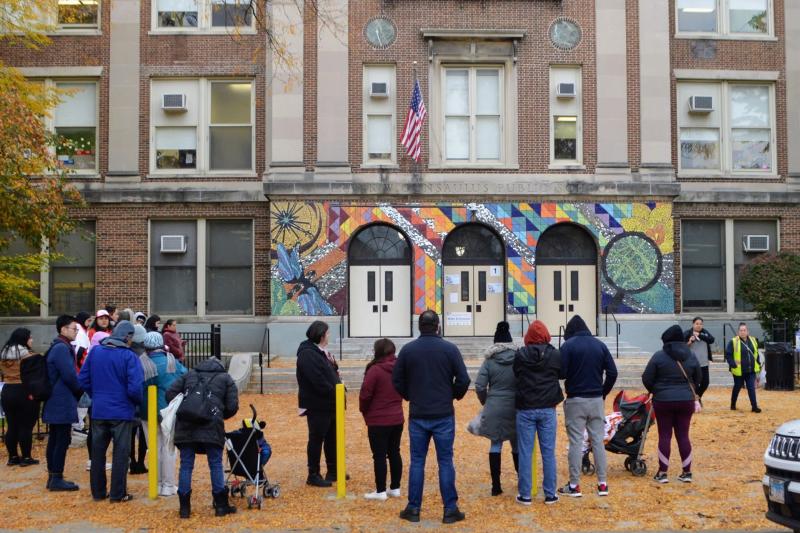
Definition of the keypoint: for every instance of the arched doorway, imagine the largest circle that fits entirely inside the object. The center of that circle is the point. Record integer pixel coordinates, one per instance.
(566, 277)
(474, 281)
(379, 281)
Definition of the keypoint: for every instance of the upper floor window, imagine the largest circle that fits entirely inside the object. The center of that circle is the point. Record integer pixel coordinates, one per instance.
(379, 115)
(566, 145)
(201, 15)
(75, 122)
(473, 118)
(78, 14)
(726, 128)
(200, 126)
(740, 18)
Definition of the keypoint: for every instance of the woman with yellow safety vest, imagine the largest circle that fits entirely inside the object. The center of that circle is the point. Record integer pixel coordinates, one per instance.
(741, 353)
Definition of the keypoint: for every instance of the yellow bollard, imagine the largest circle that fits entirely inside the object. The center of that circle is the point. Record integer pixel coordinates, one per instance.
(534, 472)
(152, 445)
(341, 478)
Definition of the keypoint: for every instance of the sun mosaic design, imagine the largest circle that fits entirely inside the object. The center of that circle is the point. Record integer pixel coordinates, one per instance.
(310, 239)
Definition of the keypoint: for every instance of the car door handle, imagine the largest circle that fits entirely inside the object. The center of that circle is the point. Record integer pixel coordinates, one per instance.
(478, 308)
(561, 307)
(385, 308)
(469, 309)
(374, 308)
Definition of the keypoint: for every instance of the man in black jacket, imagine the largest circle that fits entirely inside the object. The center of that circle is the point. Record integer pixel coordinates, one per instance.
(430, 373)
(584, 360)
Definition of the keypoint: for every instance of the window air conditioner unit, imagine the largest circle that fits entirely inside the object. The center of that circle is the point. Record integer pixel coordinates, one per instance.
(173, 244)
(701, 104)
(566, 90)
(379, 89)
(173, 102)
(756, 243)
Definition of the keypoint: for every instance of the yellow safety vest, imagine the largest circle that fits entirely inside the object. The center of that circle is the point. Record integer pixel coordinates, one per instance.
(737, 355)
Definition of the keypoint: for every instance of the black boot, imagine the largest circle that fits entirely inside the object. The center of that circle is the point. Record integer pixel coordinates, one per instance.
(494, 469)
(59, 484)
(515, 457)
(221, 505)
(186, 504)
(49, 480)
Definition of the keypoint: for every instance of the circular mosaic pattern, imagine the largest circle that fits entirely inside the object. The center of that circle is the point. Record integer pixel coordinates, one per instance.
(293, 223)
(632, 262)
(565, 34)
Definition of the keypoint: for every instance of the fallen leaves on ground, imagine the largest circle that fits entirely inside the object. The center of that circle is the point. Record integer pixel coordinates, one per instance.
(726, 494)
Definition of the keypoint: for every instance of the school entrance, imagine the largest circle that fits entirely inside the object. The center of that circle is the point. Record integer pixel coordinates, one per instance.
(473, 258)
(379, 259)
(566, 277)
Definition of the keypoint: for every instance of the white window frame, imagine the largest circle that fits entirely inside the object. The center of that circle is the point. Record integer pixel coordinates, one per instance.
(576, 163)
(50, 121)
(203, 131)
(725, 129)
(723, 26)
(79, 28)
(472, 69)
(201, 265)
(203, 21)
(369, 110)
(729, 272)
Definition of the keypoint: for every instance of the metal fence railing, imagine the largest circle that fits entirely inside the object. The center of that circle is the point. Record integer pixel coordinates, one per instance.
(200, 345)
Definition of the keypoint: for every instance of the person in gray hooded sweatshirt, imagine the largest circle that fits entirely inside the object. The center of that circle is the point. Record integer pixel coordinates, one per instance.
(496, 388)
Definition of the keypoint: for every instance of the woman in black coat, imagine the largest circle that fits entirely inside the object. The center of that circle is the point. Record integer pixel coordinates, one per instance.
(317, 377)
(209, 438)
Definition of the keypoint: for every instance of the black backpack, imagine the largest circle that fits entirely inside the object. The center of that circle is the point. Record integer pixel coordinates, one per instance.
(198, 406)
(34, 376)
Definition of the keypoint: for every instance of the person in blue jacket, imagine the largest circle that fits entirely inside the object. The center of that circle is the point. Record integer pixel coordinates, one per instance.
(61, 409)
(160, 369)
(112, 376)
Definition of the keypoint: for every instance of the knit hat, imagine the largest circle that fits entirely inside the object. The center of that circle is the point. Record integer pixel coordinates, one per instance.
(537, 333)
(139, 334)
(153, 340)
(81, 318)
(672, 334)
(502, 333)
(122, 330)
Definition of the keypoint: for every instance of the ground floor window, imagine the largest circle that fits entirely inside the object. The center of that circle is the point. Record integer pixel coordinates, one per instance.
(72, 278)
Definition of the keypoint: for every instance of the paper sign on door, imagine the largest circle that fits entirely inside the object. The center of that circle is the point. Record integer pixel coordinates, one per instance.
(453, 297)
(494, 271)
(494, 288)
(452, 280)
(458, 319)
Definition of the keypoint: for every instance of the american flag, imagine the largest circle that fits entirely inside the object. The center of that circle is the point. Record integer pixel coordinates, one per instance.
(413, 127)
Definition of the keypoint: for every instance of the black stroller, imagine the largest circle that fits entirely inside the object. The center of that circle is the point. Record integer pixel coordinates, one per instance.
(244, 459)
(630, 433)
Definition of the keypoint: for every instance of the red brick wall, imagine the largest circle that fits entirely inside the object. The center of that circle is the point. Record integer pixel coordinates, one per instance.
(535, 55)
(738, 55)
(121, 271)
(634, 88)
(310, 85)
(788, 217)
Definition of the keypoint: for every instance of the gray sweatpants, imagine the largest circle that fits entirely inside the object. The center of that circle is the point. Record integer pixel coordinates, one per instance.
(580, 414)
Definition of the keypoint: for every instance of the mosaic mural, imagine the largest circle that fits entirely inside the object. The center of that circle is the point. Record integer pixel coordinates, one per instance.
(309, 250)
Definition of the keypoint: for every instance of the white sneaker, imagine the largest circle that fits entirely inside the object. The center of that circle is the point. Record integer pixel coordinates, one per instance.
(394, 493)
(167, 490)
(376, 496)
(89, 465)
(108, 467)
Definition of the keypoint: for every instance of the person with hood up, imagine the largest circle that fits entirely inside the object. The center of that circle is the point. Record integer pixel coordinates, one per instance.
(382, 408)
(112, 377)
(137, 465)
(317, 377)
(672, 376)
(584, 360)
(206, 438)
(537, 367)
(160, 369)
(496, 389)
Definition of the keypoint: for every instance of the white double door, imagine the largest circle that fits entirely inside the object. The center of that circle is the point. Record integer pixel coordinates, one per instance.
(563, 291)
(474, 299)
(380, 301)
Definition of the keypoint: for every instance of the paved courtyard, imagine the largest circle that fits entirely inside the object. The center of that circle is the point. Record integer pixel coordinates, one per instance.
(726, 494)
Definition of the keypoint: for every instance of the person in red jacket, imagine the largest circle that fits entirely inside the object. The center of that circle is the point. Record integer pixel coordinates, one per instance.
(382, 408)
(172, 339)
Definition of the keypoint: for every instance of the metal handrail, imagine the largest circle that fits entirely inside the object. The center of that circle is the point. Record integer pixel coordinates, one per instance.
(560, 334)
(341, 332)
(618, 327)
(725, 327)
(527, 320)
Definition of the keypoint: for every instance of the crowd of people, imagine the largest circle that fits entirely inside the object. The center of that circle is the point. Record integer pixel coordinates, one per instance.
(99, 367)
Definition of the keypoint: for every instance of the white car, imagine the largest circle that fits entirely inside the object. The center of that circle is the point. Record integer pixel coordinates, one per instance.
(782, 480)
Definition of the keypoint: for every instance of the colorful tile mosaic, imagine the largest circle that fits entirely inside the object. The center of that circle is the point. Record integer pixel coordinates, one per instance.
(310, 239)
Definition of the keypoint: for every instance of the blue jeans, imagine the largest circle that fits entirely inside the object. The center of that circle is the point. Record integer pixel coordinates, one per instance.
(214, 457)
(443, 431)
(529, 423)
(497, 446)
(746, 380)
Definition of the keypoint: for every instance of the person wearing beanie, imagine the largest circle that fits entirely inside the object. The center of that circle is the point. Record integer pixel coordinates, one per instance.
(584, 361)
(137, 465)
(496, 389)
(673, 376)
(537, 368)
(160, 369)
(112, 376)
